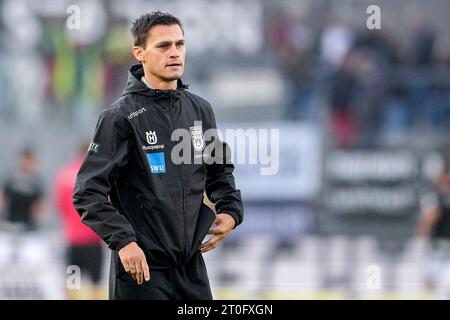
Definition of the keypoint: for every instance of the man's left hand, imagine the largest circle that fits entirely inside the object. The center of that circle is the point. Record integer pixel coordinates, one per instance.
(222, 226)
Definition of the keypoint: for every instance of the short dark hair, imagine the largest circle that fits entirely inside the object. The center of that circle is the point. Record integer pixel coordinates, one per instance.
(27, 152)
(145, 22)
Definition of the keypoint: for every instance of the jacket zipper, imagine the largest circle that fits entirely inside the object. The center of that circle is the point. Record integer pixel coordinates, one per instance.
(186, 253)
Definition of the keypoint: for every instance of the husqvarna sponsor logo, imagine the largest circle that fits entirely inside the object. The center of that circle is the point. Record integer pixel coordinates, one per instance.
(147, 148)
(136, 113)
(151, 137)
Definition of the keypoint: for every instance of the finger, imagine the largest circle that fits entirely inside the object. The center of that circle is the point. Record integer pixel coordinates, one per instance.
(212, 240)
(133, 270)
(133, 274)
(126, 266)
(146, 269)
(208, 248)
(207, 243)
(139, 272)
(215, 230)
(210, 244)
(139, 278)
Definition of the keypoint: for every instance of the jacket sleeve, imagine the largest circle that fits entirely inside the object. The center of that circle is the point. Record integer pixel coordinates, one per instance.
(220, 185)
(108, 152)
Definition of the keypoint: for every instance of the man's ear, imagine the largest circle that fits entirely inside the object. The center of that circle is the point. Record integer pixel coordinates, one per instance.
(138, 53)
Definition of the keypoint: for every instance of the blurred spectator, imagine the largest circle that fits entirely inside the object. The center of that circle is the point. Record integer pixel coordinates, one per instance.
(22, 194)
(84, 248)
(420, 56)
(423, 38)
(335, 42)
(434, 224)
(293, 38)
(116, 60)
(73, 72)
(343, 99)
(396, 117)
(383, 43)
(441, 52)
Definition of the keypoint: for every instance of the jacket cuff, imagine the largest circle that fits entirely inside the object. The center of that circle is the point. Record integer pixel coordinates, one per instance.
(235, 216)
(123, 243)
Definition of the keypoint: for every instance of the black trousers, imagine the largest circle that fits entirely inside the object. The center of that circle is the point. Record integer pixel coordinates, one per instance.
(188, 282)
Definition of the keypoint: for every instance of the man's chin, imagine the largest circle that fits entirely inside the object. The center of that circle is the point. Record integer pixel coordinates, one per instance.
(172, 77)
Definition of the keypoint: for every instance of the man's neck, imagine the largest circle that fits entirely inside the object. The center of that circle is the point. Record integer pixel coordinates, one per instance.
(157, 83)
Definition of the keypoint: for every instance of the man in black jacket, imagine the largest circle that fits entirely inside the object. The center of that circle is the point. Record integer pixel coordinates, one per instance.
(134, 191)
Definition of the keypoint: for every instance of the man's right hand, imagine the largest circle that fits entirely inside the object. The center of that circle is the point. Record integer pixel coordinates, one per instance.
(134, 262)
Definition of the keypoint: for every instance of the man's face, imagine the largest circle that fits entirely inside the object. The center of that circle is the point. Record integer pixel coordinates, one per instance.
(164, 52)
(28, 163)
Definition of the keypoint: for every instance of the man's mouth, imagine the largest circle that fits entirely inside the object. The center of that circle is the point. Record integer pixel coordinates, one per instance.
(174, 65)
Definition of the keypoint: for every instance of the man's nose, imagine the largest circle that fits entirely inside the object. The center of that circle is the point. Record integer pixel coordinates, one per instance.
(174, 52)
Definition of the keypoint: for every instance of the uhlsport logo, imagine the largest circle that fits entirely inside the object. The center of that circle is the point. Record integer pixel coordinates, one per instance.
(197, 138)
(136, 113)
(151, 137)
(157, 162)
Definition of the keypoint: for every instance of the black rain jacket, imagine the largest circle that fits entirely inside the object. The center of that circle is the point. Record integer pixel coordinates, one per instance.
(129, 189)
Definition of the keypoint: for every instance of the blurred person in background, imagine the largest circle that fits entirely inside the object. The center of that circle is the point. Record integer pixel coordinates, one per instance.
(345, 86)
(434, 225)
(423, 37)
(22, 195)
(336, 40)
(420, 57)
(27, 264)
(84, 247)
(292, 37)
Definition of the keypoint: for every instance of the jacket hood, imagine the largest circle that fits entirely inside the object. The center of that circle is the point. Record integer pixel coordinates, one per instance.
(135, 85)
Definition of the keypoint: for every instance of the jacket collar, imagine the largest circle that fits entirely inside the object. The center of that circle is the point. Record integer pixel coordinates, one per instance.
(135, 85)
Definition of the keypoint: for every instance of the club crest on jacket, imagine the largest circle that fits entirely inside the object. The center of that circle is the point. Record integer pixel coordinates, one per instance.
(197, 138)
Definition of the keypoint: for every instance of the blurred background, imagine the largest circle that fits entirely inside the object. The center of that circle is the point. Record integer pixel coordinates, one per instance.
(360, 205)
